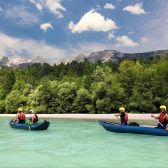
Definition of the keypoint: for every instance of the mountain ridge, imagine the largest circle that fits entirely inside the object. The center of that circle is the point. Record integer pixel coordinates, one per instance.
(103, 56)
(20, 61)
(114, 55)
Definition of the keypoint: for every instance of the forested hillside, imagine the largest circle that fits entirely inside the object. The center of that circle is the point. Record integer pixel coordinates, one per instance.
(139, 85)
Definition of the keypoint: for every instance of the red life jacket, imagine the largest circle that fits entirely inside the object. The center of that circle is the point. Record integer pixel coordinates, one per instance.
(161, 117)
(22, 116)
(125, 118)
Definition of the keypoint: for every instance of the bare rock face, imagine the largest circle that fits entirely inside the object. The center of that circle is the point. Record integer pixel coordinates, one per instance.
(113, 55)
(18, 61)
(38, 59)
(105, 56)
(80, 58)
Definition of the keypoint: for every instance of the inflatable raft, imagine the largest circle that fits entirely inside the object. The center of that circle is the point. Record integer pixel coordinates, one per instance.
(113, 127)
(34, 127)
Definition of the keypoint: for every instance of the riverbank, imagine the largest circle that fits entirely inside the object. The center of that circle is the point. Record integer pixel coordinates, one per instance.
(87, 116)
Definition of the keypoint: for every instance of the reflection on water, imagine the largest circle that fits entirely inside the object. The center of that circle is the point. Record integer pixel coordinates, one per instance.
(79, 144)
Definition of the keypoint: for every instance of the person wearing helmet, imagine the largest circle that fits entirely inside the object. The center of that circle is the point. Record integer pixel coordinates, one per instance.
(163, 119)
(123, 116)
(33, 116)
(20, 116)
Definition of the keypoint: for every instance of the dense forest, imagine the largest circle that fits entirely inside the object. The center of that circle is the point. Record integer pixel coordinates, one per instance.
(139, 85)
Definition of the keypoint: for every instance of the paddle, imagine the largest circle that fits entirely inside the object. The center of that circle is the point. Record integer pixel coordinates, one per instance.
(157, 120)
(29, 128)
(117, 116)
(109, 121)
(29, 124)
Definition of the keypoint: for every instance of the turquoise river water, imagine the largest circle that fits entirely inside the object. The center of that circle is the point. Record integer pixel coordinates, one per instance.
(79, 144)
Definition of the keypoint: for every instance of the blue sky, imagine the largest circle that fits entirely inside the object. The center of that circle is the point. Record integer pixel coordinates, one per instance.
(61, 29)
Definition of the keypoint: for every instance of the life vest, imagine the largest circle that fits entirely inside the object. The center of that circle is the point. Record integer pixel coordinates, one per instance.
(34, 118)
(22, 116)
(124, 118)
(161, 118)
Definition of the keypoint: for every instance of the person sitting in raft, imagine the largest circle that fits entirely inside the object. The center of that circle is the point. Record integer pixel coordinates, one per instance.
(163, 117)
(33, 116)
(123, 116)
(20, 116)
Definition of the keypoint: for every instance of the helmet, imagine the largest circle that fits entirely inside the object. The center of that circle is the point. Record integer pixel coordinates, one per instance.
(122, 109)
(20, 109)
(31, 111)
(163, 107)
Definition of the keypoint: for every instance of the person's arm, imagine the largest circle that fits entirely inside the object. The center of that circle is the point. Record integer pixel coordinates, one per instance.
(117, 115)
(166, 116)
(156, 117)
(17, 116)
(33, 117)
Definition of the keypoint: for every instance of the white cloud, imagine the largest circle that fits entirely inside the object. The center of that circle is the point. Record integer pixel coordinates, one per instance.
(54, 6)
(110, 35)
(126, 41)
(145, 40)
(46, 26)
(1, 9)
(12, 46)
(131, 32)
(98, 7)
(39, 5)
(21, 15)
(92, 21)
(109, 6)
(136, 9)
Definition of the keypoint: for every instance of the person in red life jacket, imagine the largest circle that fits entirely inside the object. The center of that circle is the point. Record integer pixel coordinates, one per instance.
(163, 117)
(123, 116)
(21, 116)
(33, 116)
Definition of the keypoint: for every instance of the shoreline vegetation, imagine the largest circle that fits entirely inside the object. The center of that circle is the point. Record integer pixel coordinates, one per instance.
(140, 86)
(86, 116)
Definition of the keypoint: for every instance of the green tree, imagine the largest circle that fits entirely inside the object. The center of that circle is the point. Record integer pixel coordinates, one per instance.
(40, 98)
(83, 101)
(66, 93)
(14, 100)
(128, 73)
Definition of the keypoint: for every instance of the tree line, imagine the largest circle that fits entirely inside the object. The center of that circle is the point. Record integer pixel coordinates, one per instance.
(139, 85)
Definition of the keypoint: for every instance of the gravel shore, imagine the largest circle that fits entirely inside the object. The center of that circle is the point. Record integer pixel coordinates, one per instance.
(87, 116)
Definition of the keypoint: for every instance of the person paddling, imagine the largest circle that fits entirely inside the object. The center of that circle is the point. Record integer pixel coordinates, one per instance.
(163, 117)
(123, 116)
(20, 116)
(33, 116)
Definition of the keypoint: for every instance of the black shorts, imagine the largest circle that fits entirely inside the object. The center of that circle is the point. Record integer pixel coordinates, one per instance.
(21, 121)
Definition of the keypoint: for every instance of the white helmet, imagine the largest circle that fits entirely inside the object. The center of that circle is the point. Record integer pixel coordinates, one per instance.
(32, 111)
